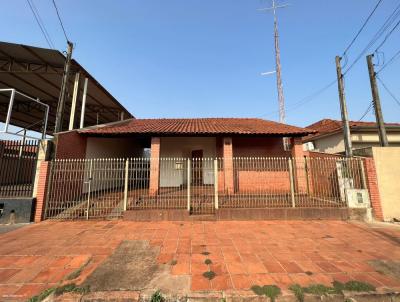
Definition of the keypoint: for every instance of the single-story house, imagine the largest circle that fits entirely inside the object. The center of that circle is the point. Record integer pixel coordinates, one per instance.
(199, 138)
(329, 136)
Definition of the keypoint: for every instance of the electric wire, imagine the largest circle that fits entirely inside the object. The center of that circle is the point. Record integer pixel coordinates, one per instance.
(389, 21)
(41, 24)
(59, 19)
(387, 36)
(366, 112)
(392, 59)
(388, 91)
(362, 27)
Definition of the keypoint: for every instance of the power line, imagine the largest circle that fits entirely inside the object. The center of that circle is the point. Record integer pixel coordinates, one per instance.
(306, 99)
(392, 59)
(59, 19)
(389, 21)
(387, 36)
(366, 112)
(388, 91)
(39, 21)
(362, 27)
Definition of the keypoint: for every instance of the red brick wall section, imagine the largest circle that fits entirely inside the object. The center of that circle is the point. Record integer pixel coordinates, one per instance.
(228, 165)
(259, 147)
(44, 171)
(70, 145)
(264, 181)
(373, 188)
(154, 166)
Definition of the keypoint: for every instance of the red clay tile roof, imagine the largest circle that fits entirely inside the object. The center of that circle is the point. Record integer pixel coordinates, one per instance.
(326, 126)
(196, 126)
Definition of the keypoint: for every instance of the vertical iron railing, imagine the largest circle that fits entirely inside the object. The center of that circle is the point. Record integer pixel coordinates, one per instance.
(18, 167)
(105, 188)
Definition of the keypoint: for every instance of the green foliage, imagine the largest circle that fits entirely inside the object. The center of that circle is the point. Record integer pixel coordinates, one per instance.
(298, 292)
(271, 291)
(209, 275)
(75, 274)
(323, 290)
(173, 262)
(43, 295)
(157, 297)
(319, 289)
(354, 286)
(59, 291)
(208, 261)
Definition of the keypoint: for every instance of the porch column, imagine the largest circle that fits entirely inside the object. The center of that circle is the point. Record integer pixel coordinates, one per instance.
(299, 164)
(154, 166)
(228, 164)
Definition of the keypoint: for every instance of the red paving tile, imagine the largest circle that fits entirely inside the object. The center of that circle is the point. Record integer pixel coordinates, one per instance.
(241, 281)
(221, 282)
(243, 253)
(6, 274)
(200, 283)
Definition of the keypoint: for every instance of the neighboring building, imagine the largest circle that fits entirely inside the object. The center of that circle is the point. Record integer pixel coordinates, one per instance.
(329, 136)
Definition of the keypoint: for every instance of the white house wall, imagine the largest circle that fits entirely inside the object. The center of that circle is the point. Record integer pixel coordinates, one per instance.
(99, 147)
(179, 148)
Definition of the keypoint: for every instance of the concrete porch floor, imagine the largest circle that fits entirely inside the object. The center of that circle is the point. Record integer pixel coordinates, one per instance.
(243, 253)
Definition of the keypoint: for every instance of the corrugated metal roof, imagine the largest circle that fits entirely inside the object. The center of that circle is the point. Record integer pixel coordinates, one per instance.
(37, 72)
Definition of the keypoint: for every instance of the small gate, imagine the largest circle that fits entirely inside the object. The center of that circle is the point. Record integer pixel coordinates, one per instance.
(202, 185)
(18, 167)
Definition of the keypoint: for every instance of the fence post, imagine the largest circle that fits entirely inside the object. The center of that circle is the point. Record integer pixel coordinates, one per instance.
(291, 178)
(89, 188)
(188, 183)
(126, 183)
(216, 183)
(363, 180)
(306, 172)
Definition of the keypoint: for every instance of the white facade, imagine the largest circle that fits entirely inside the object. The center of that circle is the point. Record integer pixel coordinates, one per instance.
(173, 173)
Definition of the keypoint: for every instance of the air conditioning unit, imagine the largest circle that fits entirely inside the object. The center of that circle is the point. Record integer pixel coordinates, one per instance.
(357, 198)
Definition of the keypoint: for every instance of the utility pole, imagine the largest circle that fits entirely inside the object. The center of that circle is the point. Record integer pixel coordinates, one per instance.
(281, 98)
(377, 103)
(343, 109)
(64, 88)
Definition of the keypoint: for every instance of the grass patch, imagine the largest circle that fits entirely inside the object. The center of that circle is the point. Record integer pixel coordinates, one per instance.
(271, 291)
(354, 286)
(43, 295)
(157, 297)
(323, 290)
(58, 291)
(75, 274)
(209, 275)
(205, 253)
(297, 291)
(208, 261)
(319, 289)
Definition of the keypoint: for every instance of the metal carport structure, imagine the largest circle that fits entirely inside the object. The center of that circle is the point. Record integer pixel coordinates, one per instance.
(37, 72)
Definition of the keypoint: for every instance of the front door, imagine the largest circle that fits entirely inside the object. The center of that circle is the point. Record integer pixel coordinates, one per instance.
(197, 167)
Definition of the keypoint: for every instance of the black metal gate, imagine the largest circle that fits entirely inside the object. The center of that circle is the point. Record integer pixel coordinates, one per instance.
(18, 167)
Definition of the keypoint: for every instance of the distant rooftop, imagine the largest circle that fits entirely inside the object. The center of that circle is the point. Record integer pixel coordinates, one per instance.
(326, 126)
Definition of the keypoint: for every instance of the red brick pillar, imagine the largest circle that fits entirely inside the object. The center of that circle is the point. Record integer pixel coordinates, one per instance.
(44, 171)
(299, 164)
(373, 188)
(228, 164)
(154, 166)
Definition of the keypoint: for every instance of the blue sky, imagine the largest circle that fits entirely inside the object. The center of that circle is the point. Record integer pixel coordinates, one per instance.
(202, 58)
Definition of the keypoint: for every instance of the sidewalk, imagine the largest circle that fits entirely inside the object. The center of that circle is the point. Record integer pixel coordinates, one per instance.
(242, 253)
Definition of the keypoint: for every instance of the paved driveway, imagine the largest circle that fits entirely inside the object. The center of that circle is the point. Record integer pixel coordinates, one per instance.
(242, 253)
